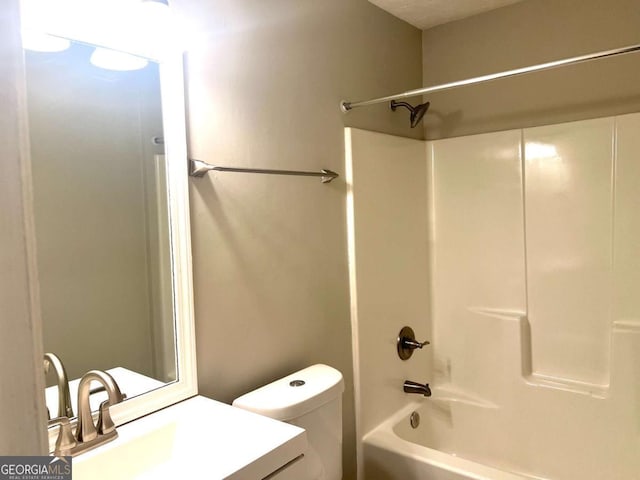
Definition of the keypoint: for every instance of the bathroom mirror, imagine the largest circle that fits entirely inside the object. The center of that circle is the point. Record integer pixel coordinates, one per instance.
(109, 167)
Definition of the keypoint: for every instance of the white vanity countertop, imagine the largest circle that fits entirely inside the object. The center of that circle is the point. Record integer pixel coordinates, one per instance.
(196, 438)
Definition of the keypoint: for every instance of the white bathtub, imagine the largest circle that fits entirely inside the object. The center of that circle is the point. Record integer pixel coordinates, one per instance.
(396, 451)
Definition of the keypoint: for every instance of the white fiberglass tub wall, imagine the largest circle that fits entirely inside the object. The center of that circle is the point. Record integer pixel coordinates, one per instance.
(535, 314)
(387, 211)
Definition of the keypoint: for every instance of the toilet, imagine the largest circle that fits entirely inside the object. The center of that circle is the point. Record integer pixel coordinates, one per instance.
(311, 399)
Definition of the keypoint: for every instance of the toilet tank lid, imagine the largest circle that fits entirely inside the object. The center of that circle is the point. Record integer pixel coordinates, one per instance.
(289, 398)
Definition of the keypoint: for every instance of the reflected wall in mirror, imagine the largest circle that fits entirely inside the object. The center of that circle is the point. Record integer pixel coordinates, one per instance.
(101, 218)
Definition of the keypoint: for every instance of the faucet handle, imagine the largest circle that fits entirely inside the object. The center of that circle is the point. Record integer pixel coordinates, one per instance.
(66, 440)
(407, 343)
(413, 344)
(105, 423)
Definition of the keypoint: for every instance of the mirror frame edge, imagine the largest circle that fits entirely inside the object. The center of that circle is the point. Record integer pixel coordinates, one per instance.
(175, 142)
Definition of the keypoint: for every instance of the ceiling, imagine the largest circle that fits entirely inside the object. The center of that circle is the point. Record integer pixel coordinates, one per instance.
(429, 13)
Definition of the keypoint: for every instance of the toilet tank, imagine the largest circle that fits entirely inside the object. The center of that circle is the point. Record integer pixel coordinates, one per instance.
(311, 399)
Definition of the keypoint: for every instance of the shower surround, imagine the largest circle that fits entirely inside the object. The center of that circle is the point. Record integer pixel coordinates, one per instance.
(516, 254)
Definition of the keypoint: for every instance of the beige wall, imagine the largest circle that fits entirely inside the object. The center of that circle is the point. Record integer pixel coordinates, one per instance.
(22, 416)
(523, 34)
(270, 261)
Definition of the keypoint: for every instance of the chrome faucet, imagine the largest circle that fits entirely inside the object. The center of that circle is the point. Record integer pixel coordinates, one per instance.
(64, 396)
(90, 435)
(414, 387)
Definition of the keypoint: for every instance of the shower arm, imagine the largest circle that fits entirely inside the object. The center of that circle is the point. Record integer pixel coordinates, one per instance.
(346, 106)
(395, 104)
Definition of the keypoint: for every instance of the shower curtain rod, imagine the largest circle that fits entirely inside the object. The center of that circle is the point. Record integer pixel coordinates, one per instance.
(346, 106)
(198, 168)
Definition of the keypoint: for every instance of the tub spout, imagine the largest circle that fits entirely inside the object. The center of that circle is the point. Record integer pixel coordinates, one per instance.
(414, 387)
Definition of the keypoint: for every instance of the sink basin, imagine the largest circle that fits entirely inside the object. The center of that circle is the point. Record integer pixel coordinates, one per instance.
(197, 438)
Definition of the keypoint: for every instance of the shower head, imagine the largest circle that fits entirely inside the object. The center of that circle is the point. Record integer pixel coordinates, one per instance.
(417, 112)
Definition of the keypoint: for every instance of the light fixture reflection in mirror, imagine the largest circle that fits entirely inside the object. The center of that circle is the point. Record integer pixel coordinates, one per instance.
(156, 13)
(113, 60)
(144, 28)
(37, 41)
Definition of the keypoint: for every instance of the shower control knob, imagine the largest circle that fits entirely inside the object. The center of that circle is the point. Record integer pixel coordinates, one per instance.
(407, 343)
